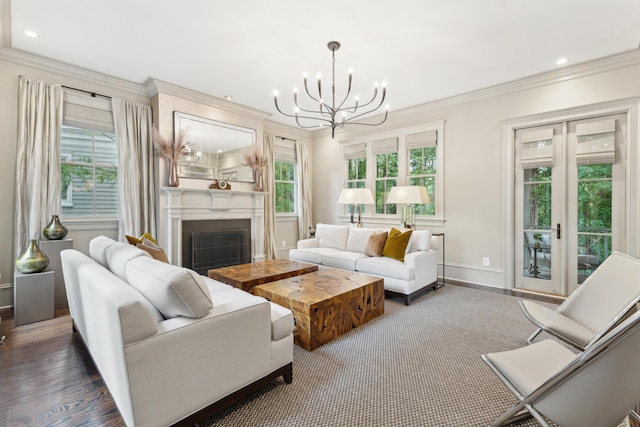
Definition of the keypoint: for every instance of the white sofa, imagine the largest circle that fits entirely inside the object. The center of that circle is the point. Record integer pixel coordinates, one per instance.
(342, 246)
(172, 347)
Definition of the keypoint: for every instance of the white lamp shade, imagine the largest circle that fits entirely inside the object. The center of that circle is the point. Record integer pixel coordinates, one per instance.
(413, 194)
(356, 196)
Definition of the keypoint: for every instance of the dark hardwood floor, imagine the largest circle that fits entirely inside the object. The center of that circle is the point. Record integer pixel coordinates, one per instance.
(47, 377)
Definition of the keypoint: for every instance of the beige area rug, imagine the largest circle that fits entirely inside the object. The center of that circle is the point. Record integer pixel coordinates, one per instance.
(415, 366)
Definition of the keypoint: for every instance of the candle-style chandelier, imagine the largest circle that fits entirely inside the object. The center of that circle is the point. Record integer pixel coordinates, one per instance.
(331, 114)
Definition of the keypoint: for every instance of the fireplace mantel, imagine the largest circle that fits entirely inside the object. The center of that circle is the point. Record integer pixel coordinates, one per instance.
(185, 204)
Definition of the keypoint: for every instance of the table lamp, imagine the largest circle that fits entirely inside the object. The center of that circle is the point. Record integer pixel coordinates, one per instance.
(356, 196)
(408, 197)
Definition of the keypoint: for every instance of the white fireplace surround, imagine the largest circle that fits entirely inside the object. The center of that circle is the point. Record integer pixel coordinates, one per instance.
(187, 204)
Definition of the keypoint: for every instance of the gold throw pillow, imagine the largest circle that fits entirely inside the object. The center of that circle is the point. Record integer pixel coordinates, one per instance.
(396, 244)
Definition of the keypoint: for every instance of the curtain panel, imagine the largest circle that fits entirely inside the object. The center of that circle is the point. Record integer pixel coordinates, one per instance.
(136, 188)
(38, 185)
(268, 150)
(304, 189)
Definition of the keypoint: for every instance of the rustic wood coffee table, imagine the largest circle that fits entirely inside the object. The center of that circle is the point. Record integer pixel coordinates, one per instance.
(246, 276)
(327, 303)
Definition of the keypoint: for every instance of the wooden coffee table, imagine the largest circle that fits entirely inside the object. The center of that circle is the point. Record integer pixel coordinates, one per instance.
(246, 276)
(327, 303)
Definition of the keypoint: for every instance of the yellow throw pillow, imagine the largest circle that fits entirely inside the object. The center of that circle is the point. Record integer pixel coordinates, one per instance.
(136, 240)
(396, 244)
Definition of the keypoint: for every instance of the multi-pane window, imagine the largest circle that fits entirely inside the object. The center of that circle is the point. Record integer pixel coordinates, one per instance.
(89, 173)
(285, 178)
(423, 164)
(386, 178)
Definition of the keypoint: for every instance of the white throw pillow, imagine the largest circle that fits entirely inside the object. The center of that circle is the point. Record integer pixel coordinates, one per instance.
(332, 236)
(420, 240)
(174, 291)
(358, 239)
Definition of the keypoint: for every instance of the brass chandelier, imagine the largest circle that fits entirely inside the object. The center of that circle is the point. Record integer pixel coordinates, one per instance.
(334, 115)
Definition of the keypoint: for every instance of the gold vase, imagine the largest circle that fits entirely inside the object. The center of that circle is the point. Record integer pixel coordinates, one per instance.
(173, 180)
(33, 260)
(55, 230)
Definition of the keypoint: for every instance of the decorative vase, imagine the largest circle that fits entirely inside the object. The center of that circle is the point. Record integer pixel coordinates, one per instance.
(55, 230)
(33, 260)
(173, 180)
(259, 180)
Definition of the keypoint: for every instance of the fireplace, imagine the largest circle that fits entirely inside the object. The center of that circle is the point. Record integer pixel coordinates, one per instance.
(233, 210)
(208, 244)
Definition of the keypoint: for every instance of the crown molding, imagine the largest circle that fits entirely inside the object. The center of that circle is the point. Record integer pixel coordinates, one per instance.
(292, 132)
(72, 71)
(155, 86)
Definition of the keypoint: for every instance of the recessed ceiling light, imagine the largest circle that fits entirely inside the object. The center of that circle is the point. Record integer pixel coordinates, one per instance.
(228, 97)
(31, 33)
(561, 61)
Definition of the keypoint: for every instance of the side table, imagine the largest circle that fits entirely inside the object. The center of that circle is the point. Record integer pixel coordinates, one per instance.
(33, 296)
(53, 248)
(439, 285)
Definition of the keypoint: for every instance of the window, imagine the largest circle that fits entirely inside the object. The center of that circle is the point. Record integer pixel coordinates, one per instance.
(89, 173)
(285, 178)
(422, 166)
(356, 171)
(386, 157)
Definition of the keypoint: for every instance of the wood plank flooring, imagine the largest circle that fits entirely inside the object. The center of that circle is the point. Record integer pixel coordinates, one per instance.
(47, 377)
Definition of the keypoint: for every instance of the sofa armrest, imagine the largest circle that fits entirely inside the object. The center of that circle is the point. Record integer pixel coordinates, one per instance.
(308, 243)
(425, 264)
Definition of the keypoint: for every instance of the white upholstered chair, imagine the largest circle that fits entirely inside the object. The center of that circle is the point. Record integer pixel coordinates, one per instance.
(605, 298)
(595, 388)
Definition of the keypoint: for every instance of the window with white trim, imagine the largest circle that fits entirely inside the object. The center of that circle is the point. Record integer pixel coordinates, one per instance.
(386, 161)
(285, 177)
(89, 158)
(422, 166)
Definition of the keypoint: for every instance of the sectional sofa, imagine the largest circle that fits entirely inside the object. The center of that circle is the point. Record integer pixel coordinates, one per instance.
(343, 246)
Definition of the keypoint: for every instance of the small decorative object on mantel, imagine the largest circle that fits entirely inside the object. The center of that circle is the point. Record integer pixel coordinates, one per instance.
(55, 230)
(33, 260)
(173, 151)
(253, 158)
(220, 184)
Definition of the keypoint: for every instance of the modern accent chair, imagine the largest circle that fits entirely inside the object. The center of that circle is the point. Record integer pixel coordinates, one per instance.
(597, 387)
(602, 301)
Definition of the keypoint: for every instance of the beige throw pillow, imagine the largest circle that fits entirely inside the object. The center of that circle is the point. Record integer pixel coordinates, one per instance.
(375, 245)
(154, 250)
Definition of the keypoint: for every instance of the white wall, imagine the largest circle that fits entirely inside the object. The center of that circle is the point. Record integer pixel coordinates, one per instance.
(475, 201)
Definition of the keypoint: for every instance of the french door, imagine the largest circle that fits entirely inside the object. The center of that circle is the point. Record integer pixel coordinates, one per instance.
(569, 201)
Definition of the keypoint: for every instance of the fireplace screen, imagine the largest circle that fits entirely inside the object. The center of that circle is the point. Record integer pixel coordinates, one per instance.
(214, 249)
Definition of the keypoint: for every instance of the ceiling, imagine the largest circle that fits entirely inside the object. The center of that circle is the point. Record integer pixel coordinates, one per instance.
(425, 49)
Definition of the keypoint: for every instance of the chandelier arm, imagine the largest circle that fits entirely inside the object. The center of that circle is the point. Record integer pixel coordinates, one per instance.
(297, 117)
(375, 95)
(367, 112)
(346, 96)
(306, 88)
(348, 122)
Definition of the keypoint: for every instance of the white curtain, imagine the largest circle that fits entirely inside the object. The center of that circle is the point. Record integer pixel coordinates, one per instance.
(38, 183)
(304, 189)
(136, 209)
(268, 150)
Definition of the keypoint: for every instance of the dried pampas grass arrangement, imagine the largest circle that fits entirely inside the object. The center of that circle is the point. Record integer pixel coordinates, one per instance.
(172, 150)
(253, 158)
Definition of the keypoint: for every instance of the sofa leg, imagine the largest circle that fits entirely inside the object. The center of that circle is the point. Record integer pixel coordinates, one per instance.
(288, 373)
(407, 300)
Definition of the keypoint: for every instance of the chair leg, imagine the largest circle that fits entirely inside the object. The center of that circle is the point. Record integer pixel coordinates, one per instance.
(534, 335)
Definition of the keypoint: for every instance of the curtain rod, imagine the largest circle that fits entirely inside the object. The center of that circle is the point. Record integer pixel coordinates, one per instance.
(93, 94)
(288, 139)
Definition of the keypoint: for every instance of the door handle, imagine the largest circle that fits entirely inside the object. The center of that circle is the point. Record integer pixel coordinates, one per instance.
(558, 231)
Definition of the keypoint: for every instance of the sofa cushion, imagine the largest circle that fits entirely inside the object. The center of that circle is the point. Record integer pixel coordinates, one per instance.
(358, 238)
(343, 260)
(420, 240)
(313, 255)
(215, 286)
(98, 249)
(396, 245)
(375, 244)
(281, 322)
(175, 291)
(118, 256)
(332, 236)
(385, 267)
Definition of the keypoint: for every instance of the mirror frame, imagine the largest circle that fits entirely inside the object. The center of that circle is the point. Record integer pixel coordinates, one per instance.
(180, 122)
